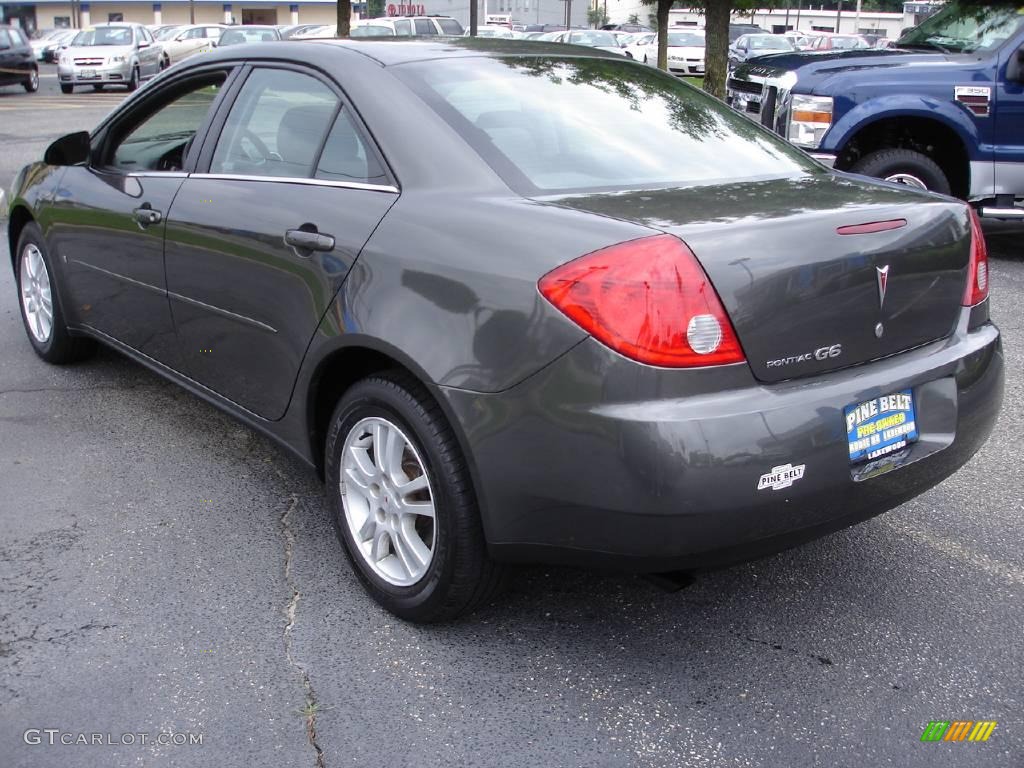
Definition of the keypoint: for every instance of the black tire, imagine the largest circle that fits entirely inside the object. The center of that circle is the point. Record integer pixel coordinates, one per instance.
(133, 82)
(886, 163)
(61, 347)
(460, 576)
(32, 84)
(64, 88)
(98, 87)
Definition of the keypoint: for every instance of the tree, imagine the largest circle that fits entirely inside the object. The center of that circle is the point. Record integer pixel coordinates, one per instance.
(374, 9)
(717, 15)
(634, 18)
(597, 18)
(344, 18)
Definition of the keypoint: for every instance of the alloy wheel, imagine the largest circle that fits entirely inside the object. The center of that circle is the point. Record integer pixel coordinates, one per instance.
(388, 501)
(907, 179)
(36, 296)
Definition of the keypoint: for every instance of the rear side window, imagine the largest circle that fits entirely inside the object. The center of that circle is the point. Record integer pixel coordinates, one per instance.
(5, 39)
(346, 156)
(424, 27)
(276, 125)
(403, 27)
(554, 125)
(450, 26)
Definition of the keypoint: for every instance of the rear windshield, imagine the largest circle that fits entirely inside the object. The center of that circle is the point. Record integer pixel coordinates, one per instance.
(564, 125)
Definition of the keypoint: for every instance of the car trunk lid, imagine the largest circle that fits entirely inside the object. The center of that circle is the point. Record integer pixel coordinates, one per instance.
(817, 273)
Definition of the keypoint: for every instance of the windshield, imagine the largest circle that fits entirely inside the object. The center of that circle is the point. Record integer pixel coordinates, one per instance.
(372, 30)
(685, 40)
(966, 28)
(593, 38)
(849, 43)
(247, 35)
(166, 34)
(103, 36)
(769, 43)
(551, 125)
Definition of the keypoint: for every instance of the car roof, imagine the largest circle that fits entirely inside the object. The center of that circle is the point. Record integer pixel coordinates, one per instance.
(389, 51)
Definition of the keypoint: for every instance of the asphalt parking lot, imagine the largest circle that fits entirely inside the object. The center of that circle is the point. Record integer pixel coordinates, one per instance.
(166, 570)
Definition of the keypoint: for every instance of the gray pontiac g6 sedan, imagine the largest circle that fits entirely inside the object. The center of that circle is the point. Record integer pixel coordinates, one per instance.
(517, 302)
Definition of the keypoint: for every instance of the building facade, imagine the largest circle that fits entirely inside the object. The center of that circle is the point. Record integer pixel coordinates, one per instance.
(48, 14)
(807, 17)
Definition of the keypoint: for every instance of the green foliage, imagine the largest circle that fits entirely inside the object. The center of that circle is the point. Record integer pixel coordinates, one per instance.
(374, 9)
(596, 17)
(634, 18)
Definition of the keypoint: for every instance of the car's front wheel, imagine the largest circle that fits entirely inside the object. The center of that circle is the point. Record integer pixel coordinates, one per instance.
(40, 309)
(32, 84)
(403, 503)
(64, 88)
(904, 166)
(133, 81)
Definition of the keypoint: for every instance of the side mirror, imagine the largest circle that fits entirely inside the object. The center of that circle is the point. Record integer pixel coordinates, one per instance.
(72, 149)
(1015, 67)
(143, 44)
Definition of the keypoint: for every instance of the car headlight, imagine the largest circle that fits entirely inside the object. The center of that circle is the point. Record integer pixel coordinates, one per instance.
(116, 59)
(810, 117)
(65, 59)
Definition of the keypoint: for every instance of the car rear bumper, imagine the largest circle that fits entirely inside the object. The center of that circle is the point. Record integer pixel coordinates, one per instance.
(599, 461)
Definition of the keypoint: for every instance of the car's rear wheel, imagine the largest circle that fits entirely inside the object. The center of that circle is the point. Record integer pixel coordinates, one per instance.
(98, 87)
(133, 80)
(40, 309)
(32, 84)
(403, 503)
(904, 166)
(66, 88)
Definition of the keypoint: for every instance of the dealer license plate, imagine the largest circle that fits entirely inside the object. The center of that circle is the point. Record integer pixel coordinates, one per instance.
(87, 74)
(881, 426)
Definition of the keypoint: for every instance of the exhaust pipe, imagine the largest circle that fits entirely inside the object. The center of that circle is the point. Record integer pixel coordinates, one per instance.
(1002, 213)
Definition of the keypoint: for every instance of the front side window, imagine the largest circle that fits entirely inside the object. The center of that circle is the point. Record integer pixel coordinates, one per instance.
(424, 27)
(556, 125)
(159, 141)
(5, 39)
(403, 27)
(276, 125)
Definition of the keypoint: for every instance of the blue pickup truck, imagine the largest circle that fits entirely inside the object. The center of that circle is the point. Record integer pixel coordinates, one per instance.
(944, 110)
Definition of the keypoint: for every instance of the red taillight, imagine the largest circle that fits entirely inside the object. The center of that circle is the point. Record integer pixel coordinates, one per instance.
(977, 267)
(649, 300)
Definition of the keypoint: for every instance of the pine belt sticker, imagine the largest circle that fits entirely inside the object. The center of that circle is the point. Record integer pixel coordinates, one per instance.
(781, 477)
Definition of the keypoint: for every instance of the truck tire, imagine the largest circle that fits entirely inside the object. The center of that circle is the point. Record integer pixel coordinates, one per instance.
(904, 166)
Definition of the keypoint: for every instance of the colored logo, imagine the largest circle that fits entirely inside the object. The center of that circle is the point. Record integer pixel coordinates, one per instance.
(958, 730)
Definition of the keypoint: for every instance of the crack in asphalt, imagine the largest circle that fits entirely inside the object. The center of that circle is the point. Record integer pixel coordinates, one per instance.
(312, 705)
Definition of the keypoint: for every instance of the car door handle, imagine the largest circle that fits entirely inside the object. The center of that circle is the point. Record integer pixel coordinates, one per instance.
(305, 240)
(145, 216)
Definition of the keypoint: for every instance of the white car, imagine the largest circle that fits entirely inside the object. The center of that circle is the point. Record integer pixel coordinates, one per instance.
(493, 30)
(685, 52)
(181, 42)
(109, 54)
(591, 38)
(637, 47)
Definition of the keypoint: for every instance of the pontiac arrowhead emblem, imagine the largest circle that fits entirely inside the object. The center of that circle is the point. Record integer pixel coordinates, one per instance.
(883, 283)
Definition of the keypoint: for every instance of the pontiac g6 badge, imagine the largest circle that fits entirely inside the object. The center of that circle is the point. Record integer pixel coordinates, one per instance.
(883, 283)
(781, 477)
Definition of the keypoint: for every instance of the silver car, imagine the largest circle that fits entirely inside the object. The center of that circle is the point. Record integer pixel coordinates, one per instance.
(110, 54)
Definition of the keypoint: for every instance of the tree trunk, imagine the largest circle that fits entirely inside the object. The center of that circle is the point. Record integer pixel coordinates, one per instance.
(664, 6)
(716, 51)
(344, 18)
